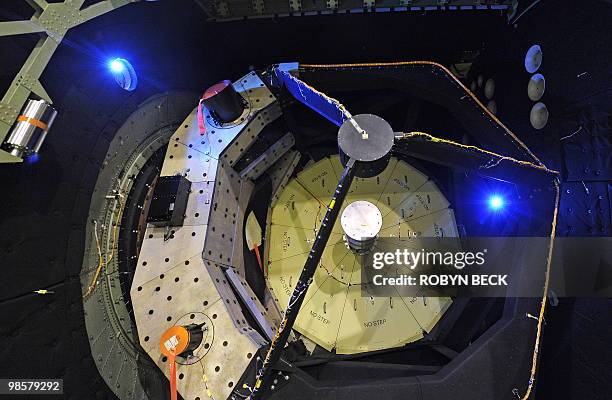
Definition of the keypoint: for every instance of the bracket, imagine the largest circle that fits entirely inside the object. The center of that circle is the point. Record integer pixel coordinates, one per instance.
(55, 20)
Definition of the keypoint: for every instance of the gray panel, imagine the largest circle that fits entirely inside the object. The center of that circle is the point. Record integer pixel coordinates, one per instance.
(255, 169)
(111, 333)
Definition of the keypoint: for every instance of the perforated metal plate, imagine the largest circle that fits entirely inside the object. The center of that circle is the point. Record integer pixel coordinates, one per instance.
(111, 333)
(174, 283)
(335, 315)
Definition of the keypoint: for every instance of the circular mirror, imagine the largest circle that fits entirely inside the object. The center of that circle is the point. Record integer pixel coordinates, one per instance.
(539, 115)
(489, 89)
(533, 59)
(492, 106)
(536, 87)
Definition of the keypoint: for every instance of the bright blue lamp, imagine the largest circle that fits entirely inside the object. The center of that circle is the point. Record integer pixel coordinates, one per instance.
(124, 73)
(116, 65)
(496, 202)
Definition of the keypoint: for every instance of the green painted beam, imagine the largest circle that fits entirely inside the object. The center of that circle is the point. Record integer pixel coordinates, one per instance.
(10, 28)
(54, 19)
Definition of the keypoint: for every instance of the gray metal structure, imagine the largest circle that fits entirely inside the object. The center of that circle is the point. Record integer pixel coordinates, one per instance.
(53, 20)
(31, 128)
(226, 10)
(113, 337)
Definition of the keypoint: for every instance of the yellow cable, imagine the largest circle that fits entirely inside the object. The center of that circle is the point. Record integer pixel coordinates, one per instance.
(337, 103)
(537, 165)
(500, 157)
(205, 379)
(101, 262)
(540, 318)
(536, 346)
(449, 74)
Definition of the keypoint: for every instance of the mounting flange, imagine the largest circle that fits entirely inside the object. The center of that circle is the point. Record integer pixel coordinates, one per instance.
(370, 146)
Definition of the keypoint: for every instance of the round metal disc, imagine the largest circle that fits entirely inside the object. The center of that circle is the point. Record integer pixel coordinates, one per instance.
(361, 220)
(533, 59)
(539, 115)
(536, 87)
(376, 146)
(489, 89)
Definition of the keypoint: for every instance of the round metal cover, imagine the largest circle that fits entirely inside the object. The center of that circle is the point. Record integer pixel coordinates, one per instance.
(536, 87)
(376, 146)
(533, 59)
(539, 115)
(361, 220)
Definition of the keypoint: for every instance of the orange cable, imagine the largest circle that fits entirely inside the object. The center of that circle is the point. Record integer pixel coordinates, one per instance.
(448, 73)
(480, 150)
(171, 361)
(536, 346)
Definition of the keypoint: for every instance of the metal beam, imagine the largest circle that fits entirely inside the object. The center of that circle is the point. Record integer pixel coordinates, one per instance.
(10, 28)
(54, 19)
(37, 5)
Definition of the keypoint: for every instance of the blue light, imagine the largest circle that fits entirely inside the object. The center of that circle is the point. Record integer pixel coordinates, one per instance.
(496, 202)
(124, 73)
(116, 65)
(32, 158)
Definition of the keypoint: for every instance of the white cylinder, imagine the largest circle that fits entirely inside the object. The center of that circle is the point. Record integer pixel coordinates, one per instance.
(361, 222)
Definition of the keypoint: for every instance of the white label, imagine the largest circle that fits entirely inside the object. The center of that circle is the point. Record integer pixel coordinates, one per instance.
(171, 343)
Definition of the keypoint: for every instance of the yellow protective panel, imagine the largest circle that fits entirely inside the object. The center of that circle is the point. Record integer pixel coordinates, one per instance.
(296, 207)
(372, 323)
(335, 313)
(319, 180)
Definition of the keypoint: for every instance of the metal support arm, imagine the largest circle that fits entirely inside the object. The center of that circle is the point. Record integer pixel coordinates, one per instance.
(303, 283)
(54, 19)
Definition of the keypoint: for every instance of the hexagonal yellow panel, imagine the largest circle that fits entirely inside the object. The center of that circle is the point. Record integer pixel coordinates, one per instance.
(335, 314)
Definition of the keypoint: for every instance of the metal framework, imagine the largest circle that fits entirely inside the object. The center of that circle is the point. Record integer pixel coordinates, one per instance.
(226, 10)
(53, 20)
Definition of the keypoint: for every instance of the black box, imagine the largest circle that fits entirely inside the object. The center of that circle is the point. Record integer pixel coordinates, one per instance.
(169, 201)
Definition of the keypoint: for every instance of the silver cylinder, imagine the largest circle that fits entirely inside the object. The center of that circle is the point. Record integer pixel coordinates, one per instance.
(31, 128)
(361, 222)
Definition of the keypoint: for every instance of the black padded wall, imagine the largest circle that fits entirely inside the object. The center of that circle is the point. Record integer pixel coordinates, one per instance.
(576, 39)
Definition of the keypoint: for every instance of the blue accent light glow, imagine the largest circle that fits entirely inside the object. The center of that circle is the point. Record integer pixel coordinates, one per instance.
(116, 65)
(496, 202)
(124, 73)
(32, 158)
